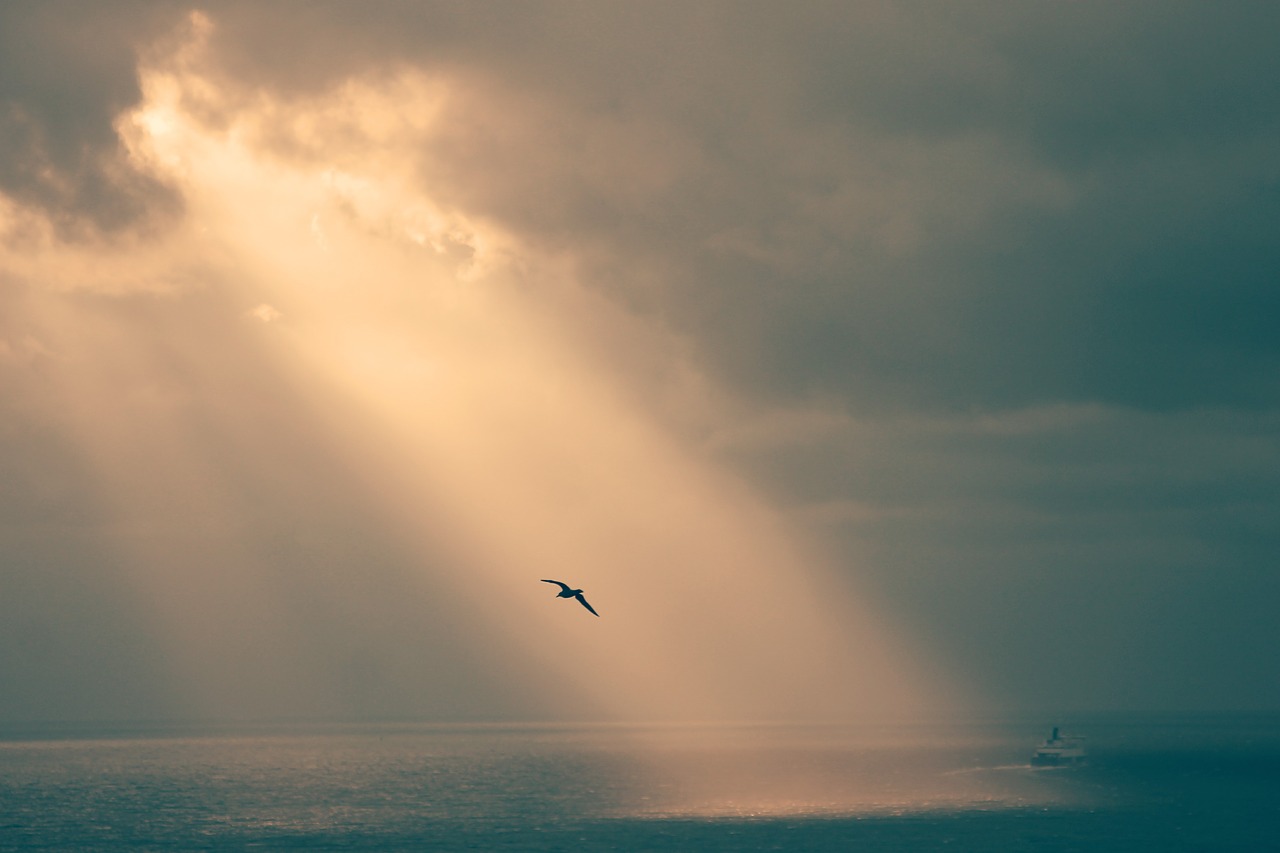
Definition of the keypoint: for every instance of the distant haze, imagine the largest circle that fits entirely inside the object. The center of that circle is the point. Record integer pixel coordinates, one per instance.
(870, 361)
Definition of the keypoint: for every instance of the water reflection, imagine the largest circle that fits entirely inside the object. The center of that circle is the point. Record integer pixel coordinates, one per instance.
(615, 787)
(340, 776)
(826, 770)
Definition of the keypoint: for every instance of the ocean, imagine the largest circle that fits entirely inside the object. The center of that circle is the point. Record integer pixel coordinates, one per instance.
(1165, 784)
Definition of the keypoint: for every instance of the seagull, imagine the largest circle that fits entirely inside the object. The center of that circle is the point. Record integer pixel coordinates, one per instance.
(568, 592)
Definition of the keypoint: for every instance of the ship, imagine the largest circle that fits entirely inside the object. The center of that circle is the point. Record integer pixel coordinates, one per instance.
(1059, 751)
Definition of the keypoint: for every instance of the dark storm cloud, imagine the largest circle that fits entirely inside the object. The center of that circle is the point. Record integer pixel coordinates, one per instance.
(886, 204)
(1069, 556)
(1144, 279)
(66, 71)
(990, 205)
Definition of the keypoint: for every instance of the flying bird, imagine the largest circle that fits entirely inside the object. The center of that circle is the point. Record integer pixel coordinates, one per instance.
(568, 592)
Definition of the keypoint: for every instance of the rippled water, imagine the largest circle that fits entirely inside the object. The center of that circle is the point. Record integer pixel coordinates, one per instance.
(1147, 787)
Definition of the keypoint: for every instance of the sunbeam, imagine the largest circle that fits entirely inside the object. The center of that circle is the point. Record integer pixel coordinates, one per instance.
(319, 343)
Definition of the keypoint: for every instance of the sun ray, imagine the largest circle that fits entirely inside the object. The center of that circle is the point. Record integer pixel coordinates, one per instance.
(443, 360)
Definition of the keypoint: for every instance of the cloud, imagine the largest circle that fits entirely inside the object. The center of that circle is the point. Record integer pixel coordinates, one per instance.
(265, 313)
(1095, 519)
(885, 204)
(978, 298)
(906, 206)
(66, 73)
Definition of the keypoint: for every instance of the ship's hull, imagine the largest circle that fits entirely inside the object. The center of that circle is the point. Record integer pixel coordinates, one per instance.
(1057, 758)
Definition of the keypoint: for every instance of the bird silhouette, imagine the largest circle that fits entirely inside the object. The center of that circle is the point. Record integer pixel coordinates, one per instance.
(567, 591)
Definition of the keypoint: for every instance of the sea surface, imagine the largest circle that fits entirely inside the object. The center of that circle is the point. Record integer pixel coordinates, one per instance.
(1164, 784)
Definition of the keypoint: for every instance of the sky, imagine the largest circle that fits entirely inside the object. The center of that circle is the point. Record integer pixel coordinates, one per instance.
(876, 360)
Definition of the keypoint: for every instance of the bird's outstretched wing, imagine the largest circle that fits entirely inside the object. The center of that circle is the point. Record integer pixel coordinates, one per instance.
(583, 601)
(564, 587)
